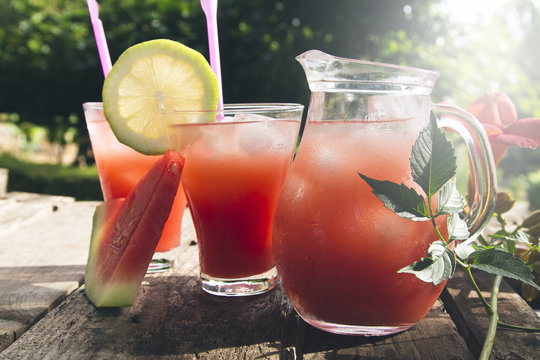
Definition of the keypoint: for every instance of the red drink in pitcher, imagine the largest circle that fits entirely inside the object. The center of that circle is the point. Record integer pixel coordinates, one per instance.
(337, 247)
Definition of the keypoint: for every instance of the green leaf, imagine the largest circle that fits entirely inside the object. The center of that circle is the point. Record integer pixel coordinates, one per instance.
(403, 201)
(519, 236)
(437, 267)
(457, 228)
(464, 250)
(499, 262)
(450, 201)
(433, 162)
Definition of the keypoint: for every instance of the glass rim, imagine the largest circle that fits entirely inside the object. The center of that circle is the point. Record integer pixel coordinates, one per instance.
(246, 108)
(242, 108)
(92, 105)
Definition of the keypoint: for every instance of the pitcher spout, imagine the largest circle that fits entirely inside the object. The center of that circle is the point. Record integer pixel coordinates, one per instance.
(325, 72)
(315, 64)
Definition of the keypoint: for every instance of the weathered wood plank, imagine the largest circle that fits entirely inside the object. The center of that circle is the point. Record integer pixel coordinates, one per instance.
(467, 311)
(43, 248)
(174, 318)
(435, 337)
(45, 231)
(171, 318)
(18, 209)
(44, 244)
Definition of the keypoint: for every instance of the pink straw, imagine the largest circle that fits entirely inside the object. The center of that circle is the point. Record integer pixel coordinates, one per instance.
(210, 10)
(99, 34)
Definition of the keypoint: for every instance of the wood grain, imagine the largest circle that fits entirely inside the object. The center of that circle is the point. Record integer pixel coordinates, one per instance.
(435, 337)
(43, 248)
(468, 313)
(173, 318)
(44, 313)
(44, 244)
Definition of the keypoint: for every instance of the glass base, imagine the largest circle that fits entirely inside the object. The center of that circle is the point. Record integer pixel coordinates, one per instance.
(159, 265)
(360, 330)
(253, 285)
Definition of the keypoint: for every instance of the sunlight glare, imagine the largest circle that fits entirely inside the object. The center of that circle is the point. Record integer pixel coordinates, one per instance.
(471, 11)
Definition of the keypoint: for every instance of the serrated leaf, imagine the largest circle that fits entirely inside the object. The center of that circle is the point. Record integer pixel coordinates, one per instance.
(403, 201)
(520, 236)
(498, 262)
(436, 268)
(457, 228)
(433, 162)
(450, 201)
(464, 250)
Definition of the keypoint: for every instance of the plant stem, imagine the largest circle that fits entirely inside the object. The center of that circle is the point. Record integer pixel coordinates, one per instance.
(477, 289)
(482, 240)
(438, 231)
(517, 328)
(432, 218)
(493, 320)
(501, 221)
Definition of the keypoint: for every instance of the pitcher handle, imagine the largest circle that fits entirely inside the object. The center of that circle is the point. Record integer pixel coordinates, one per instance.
(481, 163)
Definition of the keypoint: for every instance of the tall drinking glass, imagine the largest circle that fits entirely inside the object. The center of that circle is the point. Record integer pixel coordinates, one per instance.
(232, 176)
(120, 168)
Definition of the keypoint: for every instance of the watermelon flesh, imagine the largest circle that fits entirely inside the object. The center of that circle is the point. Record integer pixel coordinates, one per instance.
(125, 234)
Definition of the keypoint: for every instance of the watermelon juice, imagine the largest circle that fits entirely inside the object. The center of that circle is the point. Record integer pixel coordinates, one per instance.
(337, 247)
(120, 168)
(232, 178)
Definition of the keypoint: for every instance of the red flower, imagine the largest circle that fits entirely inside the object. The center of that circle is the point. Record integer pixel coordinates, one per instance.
(498, 115)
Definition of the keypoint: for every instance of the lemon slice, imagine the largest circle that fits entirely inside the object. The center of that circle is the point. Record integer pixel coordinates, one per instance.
(148, 77)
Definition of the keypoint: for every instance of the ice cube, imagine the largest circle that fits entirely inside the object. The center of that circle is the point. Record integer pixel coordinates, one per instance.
(251, 117)
(255, 138)
(226, 136)
(221, 138)
(225, 119)
(262, 134)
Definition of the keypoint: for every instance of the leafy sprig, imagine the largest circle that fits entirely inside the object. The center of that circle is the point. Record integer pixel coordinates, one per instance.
(433, 168)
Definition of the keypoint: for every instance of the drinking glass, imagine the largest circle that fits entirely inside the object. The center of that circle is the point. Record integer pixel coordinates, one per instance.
(232, 176)
(337, 248)
(120, 168)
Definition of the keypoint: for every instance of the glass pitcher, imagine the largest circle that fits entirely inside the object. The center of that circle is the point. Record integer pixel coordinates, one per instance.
(337, 248)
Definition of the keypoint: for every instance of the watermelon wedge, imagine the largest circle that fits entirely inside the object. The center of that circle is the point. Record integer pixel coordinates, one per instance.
(125, 234)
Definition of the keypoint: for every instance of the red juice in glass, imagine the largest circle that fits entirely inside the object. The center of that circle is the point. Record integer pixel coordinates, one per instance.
(337, 247)
(120, 168)
(232, 177)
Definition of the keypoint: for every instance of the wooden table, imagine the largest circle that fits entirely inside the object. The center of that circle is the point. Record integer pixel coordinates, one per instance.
(44, 313)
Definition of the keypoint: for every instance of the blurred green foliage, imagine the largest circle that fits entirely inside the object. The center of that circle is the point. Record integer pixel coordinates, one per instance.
(50, 63)
(50, 66)
(83, 184)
